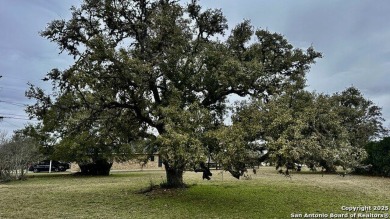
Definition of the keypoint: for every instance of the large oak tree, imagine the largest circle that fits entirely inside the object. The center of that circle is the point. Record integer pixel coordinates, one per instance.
(156, 75)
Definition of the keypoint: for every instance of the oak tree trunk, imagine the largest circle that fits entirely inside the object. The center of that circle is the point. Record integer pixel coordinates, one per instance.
(174, 177)
(96, 168)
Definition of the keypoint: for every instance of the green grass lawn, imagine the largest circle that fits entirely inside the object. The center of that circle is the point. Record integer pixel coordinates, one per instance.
(266, 195)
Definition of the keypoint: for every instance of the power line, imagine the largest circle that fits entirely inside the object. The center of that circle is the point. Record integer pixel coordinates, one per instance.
(9, 117)
(14, 103)
(12, 88)
(14, 78)
(14, 116)
(11, 114)
(6, 101)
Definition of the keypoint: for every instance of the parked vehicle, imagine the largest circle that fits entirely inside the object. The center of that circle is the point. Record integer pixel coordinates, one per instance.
(44, 165)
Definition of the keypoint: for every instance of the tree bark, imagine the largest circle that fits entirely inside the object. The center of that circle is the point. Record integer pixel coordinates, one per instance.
(328, 168)
(96, 168)
(174, 177)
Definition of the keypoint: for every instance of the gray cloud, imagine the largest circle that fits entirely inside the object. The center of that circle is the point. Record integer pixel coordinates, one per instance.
(24, 55)
(354, 37)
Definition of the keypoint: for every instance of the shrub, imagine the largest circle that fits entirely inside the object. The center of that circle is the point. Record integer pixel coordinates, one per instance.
(378, 158)
(15, 156)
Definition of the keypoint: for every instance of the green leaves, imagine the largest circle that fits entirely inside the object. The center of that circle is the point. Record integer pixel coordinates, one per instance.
(16, 154)
(314, 129)
(379, 157)
(155, 71)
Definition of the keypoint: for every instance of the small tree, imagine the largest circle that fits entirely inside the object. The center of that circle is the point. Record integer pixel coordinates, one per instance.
(15, 156)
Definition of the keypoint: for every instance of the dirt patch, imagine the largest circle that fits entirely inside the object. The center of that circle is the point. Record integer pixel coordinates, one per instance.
(157, 190)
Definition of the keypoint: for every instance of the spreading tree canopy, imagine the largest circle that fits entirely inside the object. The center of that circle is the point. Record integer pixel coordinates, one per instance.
(155, 75)
(314, 129)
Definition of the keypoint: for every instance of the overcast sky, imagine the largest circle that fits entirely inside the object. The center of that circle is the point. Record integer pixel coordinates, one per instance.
(353, 35)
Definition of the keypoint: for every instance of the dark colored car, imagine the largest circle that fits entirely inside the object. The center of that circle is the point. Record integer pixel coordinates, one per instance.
(44, 165)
